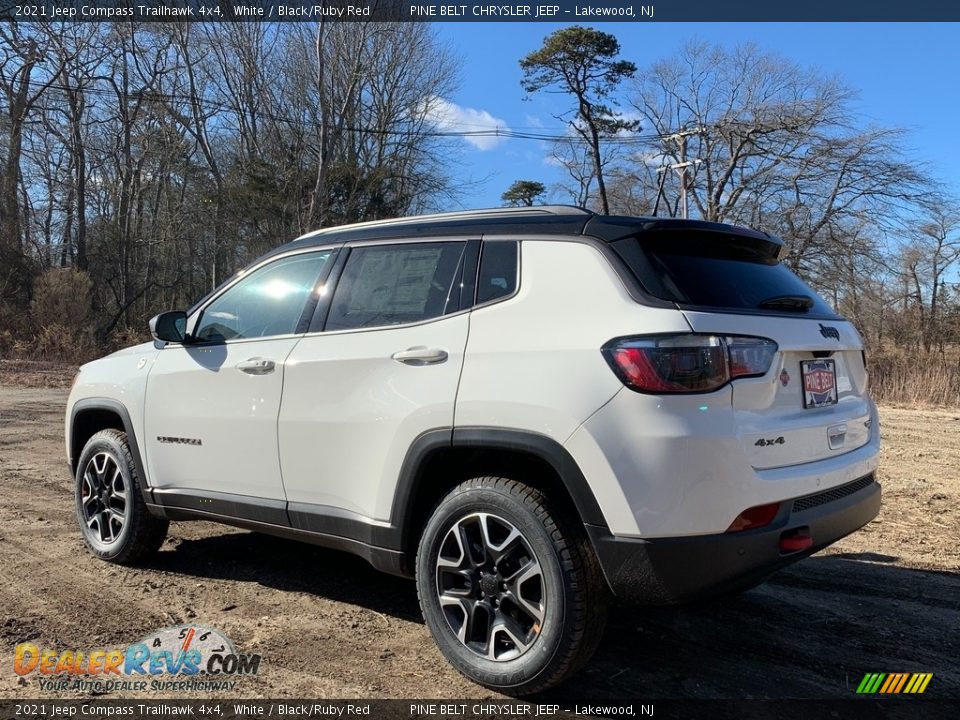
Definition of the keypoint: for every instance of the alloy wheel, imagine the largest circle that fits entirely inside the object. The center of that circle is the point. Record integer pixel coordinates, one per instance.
(103, 498)
(490, 586)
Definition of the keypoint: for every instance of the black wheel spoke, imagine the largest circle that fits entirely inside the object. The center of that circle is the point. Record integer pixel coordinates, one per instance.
(106, 530)
(479, 619)
(507, 639)
(117, 488)
(90, 478)
(457, 611)
(526, 589)
(498, 546)
(472, 545)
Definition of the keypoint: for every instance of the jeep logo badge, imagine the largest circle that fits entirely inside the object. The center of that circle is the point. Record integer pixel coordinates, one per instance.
(829, 332)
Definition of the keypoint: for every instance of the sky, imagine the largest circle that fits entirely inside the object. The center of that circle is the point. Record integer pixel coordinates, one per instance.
(905, 74)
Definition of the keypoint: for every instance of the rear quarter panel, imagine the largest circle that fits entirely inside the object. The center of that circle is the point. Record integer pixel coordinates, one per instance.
(534, 361)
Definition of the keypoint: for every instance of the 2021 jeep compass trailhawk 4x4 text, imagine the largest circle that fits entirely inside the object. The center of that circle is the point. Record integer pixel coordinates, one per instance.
(528, 410)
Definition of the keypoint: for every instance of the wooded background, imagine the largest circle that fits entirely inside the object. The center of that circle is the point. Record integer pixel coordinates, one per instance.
(140, 166)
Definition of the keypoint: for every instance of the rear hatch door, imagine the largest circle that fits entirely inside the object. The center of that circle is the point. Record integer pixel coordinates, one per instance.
(812, 403)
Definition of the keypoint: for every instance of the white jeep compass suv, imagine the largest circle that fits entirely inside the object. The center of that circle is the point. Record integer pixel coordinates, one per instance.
(528, 410)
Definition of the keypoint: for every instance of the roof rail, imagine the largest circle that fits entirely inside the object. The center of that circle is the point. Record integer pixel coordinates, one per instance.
(477, 214)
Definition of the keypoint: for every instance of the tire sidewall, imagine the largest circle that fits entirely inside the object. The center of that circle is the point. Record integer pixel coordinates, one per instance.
(538, 659)
(112, 444)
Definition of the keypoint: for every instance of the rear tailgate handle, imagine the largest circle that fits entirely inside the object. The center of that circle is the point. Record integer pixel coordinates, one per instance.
(256, 366)
(836, 434)
(420, 355)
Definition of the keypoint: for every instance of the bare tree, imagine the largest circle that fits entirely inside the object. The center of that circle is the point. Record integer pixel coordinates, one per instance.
(80, 54)
(928, 260)
(774, 146)
(27, 70)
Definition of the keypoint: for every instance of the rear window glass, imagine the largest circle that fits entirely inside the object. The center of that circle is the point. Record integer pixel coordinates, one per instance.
(498, 270)
(711, 272)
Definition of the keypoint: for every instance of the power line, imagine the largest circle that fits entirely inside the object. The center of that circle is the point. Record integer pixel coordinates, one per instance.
(206, 104)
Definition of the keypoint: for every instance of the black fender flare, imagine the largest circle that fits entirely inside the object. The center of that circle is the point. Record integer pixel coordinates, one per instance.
(490, 438)
(119, 409)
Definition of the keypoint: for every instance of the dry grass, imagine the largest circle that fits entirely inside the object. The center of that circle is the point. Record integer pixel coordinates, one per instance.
(58, 326)
(36, 374)
(915, 380)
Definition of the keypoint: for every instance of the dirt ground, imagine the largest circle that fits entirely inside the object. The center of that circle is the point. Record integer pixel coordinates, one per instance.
(886, 599)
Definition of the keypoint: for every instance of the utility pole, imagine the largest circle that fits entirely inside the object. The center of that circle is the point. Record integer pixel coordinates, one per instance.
(681, 167)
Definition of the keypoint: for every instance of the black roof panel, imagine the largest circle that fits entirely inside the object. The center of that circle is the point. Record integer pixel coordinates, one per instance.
(552, 219)
(537, 220)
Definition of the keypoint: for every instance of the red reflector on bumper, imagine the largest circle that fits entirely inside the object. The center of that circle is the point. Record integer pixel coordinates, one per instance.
(795, 540)
(754, 517)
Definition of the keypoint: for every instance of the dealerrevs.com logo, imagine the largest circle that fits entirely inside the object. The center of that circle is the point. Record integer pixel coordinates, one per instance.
(183, 658)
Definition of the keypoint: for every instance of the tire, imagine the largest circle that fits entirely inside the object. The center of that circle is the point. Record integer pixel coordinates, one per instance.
(114, 520)
(539, 616)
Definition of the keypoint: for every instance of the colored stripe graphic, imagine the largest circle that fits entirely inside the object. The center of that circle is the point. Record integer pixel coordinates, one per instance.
(892, 679)
(894, 683)
(903, 680)
(923, 679)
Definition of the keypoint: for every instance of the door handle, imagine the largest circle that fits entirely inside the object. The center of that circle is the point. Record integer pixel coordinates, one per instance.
(256, 366)
(420, 355)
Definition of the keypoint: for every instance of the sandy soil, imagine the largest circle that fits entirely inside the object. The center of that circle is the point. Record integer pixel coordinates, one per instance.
(883, 600)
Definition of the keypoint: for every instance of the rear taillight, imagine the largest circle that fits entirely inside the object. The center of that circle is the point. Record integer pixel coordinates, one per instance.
(687, 363)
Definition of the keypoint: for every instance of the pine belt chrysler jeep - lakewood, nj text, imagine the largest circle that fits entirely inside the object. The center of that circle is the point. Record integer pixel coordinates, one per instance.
(528, 410)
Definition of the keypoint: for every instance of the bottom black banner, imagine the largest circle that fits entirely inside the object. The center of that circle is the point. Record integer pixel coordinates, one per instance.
(894, 709)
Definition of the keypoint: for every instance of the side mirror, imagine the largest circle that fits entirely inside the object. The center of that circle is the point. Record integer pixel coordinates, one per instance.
(169, 326)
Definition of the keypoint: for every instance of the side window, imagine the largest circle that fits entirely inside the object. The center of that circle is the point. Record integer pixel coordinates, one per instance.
(395, 284)
(498, 270)
(267, 302)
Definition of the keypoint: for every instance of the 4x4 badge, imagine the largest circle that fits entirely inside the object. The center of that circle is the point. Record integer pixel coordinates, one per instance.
(829, 332)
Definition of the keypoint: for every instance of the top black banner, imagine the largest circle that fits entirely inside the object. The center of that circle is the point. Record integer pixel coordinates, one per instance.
(571, 11)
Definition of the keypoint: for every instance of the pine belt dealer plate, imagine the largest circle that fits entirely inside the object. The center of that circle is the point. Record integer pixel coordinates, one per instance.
(819, 383)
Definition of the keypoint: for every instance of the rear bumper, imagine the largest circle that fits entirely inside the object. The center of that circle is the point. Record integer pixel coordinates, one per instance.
(669, 570)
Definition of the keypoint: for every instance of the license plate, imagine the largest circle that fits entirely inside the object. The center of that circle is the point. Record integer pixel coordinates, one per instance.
(819, 383)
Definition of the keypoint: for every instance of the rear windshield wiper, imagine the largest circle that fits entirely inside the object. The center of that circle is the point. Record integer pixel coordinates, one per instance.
(800, 303)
